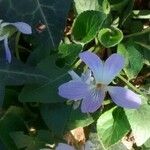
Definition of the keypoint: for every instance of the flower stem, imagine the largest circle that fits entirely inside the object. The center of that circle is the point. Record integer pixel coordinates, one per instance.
(130, 85)
(147, 30)
(16, 45)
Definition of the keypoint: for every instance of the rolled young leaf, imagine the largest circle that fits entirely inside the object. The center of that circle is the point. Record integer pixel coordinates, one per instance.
(110, 37)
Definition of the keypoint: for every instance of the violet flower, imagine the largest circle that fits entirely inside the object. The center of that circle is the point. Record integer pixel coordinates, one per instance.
(20, 26)
(93, 93)
(62, 146)
(87, 146)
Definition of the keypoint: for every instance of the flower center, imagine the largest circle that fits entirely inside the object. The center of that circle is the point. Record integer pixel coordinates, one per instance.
(101, 87)
(98, 86)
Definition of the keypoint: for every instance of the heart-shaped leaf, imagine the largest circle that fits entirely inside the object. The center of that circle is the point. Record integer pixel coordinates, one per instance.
(134, 59)
(112, 126)
(139, 120)
(18, 73)
(110, 37)
(87, 25)
(61, 118)
(48, 92)
(70, 52)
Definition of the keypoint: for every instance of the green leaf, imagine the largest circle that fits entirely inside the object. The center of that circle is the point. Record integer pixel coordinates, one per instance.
(2, 146)
(110, 37)
(48, 92)
(78, 119)
(70, 52)
(145, 53)
(61, 118)
(18, 73)
(139, 120)
(118, 146)
(134, 59)
(55, 117)
(139, 34)
(118, 5)
(112, 126)
(127, 11)
(2, 94)
(106, 6)
(87, 25)
(10, 98)
(39, 12)
(23, 141)
(30, 142)
(146, 146)
(143, 45)
(10, 122)
(84, 5)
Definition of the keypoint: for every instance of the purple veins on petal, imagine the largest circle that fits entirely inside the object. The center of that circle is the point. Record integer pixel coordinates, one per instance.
(73, 90)
(7, 50)
(94, 63)
(112, 66)
(124, 97)
(87, 76)
(92, 101)
(22, 27)
(62, 146)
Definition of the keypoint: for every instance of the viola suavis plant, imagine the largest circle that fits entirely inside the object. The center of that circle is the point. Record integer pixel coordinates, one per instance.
(74, 75)
(92, 89)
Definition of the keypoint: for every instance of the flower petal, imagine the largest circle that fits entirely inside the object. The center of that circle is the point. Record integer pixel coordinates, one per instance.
(1, 21)
(62, 146)
(87, 76)
(112, 67)
(92, 101)
(7, 50)
(89, 145)
(73, 90)
(124, 97)
(94, 63)
(22, 27)
(73, 75)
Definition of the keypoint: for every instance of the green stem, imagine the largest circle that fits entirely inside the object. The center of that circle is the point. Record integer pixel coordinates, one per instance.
(23, 48)
(77, 63)
(138, 33)
(130, 85)
(16, 45)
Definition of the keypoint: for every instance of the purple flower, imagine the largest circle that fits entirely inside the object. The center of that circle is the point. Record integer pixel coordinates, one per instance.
(92, 91)
(20, 26)
(87, 146)
(62, 146)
